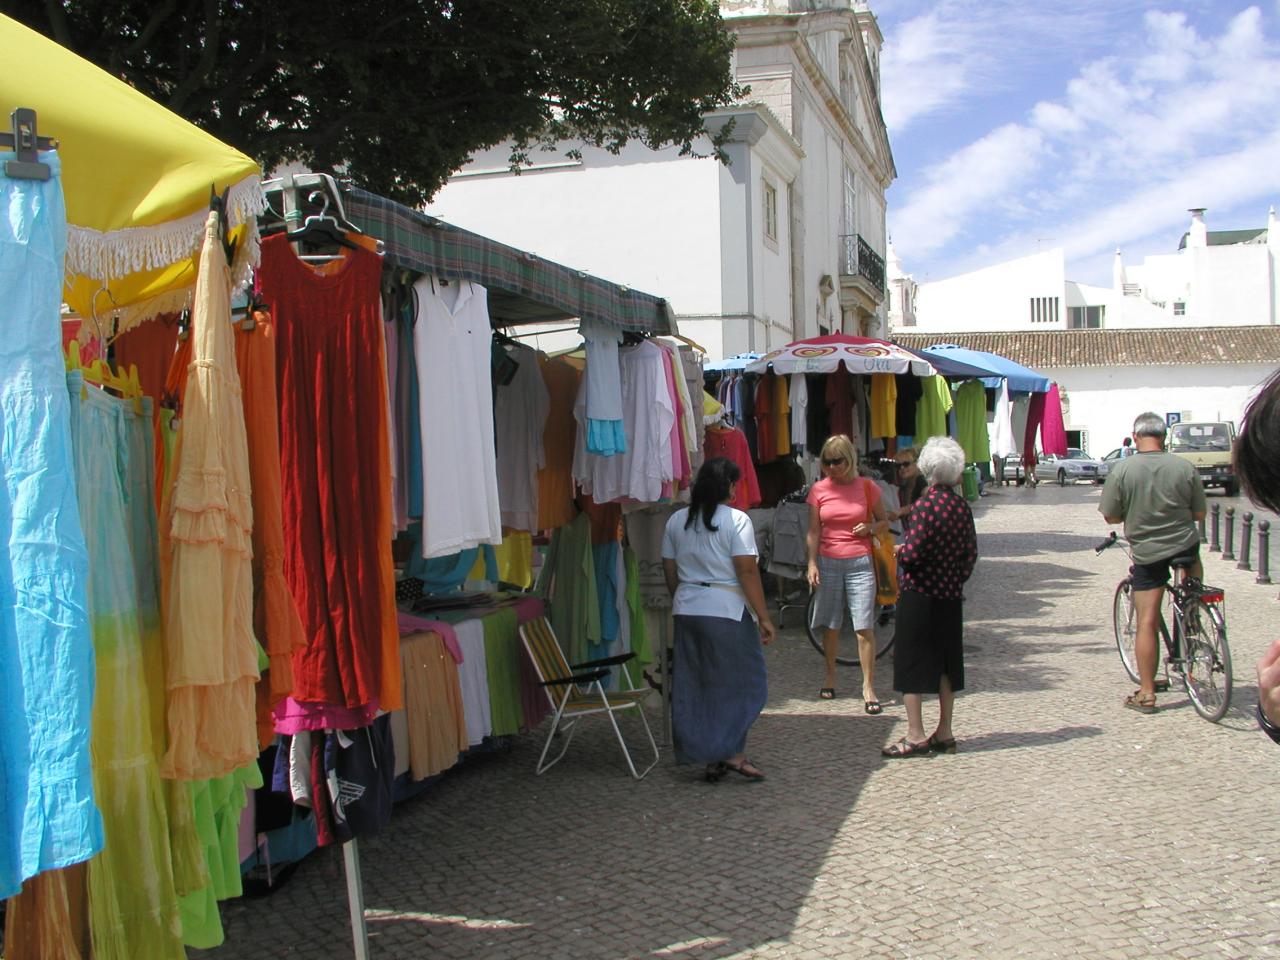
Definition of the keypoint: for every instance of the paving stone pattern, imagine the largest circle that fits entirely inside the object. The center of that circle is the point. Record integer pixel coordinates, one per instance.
(1066, 826)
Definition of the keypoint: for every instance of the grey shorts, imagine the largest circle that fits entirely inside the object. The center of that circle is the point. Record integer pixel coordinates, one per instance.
(845, 583)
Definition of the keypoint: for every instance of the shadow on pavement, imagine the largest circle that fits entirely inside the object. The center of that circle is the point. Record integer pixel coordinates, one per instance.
(1037, 543)
(1017, 739)
(542, 866)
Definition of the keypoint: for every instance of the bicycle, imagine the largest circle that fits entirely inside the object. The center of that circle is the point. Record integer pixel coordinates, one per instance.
(885, 630)
(1196, 648)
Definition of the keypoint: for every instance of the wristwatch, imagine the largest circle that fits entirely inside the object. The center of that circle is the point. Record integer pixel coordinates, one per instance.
(1269, 728)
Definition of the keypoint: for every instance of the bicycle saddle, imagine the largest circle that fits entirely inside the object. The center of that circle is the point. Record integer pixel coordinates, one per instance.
(1182, 563)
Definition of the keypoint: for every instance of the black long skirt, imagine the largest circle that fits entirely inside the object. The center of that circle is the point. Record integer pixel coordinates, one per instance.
(928, 644)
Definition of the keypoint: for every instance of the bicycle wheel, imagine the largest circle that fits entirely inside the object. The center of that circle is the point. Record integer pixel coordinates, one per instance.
(848, 656)
(1207, 660)
(1125, 625)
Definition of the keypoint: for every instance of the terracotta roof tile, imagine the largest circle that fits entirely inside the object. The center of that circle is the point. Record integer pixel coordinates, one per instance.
(1039, 349)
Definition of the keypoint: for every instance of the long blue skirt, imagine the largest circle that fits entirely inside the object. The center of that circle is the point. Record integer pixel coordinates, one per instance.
(718, 686)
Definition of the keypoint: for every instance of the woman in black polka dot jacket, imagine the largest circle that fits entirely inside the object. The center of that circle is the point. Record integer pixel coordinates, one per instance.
(935, 559)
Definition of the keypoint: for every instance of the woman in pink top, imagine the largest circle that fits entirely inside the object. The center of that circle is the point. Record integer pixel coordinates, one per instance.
(844, 511)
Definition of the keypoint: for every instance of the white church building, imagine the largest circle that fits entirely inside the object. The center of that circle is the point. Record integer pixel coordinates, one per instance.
(1190, 334)
(785, 242)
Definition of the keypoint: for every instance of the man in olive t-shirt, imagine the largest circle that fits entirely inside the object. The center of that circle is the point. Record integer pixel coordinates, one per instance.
(1160, 499)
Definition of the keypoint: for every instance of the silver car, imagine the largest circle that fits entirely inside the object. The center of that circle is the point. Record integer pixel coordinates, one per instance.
(1076, 465)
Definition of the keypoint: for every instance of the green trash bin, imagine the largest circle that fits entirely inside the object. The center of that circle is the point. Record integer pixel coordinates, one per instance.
(969, 482)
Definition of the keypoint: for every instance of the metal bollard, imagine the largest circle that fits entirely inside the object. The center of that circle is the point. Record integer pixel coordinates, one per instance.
(1264, 552)
(1204, 537)
(1228, 545)
(1246, 540)
(1214, 509)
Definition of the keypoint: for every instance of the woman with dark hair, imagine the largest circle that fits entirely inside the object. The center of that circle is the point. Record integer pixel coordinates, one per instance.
(718, 678)
(1257, 462)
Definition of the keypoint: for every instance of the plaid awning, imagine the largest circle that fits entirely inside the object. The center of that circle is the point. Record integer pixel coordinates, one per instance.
(523, 287)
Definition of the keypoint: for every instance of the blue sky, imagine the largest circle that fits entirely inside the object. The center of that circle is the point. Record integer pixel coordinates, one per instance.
(1020, 125)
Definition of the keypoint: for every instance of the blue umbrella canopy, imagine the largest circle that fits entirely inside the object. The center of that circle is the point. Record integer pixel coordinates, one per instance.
(1021, 379)
(948, 366)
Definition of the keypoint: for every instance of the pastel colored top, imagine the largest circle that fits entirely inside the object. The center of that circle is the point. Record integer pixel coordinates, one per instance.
(841, 507)
(704, 559)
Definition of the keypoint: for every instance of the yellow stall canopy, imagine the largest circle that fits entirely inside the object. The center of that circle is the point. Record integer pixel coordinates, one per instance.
(136, 178)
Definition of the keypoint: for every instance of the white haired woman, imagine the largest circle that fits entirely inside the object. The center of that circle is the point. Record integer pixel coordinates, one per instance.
(935, 558)
(844, 510)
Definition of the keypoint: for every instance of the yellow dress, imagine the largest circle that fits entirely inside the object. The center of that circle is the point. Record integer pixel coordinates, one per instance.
(211, 662)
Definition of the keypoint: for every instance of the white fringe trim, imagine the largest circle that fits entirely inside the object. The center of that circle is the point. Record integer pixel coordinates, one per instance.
(118, 253)
(121, 319)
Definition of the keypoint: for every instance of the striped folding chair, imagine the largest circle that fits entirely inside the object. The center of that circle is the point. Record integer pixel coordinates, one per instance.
(576, 690)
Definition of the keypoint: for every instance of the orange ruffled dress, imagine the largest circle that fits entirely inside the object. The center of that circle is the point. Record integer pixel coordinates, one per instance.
(211, 660)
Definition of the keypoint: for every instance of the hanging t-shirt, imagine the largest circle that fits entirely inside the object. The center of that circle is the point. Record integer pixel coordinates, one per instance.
(932, 410)
(766, 441)
(840, 403)
(452, 338)
(640, 472)
(729, 442)
(971, 421)
(841, 507)
(555, 479)
(799, 401)
(1002, 436)
(781, 416)
(909, 392)
(884, 405)
(1053, 433)
(606, 434)
(520, 414)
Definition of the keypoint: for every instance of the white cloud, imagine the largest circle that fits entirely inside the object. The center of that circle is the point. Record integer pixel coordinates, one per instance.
(957, 50)
(1177, 118)
(964, 187)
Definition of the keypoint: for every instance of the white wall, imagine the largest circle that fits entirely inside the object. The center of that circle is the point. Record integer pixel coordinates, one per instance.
(1105, 400)
(647, 219)
(994, 298)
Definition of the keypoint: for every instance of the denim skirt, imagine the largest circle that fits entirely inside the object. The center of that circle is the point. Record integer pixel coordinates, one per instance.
(845, 583)
(718, 686)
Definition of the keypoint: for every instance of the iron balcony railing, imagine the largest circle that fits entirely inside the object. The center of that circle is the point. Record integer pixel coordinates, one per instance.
(859, 260)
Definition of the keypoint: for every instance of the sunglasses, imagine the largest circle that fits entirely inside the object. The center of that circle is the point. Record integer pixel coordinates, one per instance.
(834, 462)
(906, 463)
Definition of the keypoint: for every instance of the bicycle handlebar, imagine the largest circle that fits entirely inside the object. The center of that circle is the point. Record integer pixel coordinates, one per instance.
(1109, 542)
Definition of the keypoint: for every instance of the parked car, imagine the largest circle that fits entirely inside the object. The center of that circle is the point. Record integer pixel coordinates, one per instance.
(1109, 461)
(1011, 469)
(1076, 465)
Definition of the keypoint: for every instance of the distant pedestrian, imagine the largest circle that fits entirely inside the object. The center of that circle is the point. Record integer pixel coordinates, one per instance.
(1126, 448)
(718, 677)
(911, 484)
(935, 559)
(844, 511)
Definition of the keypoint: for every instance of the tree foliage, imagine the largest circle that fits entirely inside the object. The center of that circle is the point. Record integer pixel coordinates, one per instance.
(398, 94)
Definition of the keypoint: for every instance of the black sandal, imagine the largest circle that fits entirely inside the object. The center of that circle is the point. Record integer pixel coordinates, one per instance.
(715, 771)
(942, 746)
(873, 707)
(827, 693)
(905, 748)
(755, 774)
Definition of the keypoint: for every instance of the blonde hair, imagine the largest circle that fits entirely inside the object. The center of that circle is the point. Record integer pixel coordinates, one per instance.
(841, 446)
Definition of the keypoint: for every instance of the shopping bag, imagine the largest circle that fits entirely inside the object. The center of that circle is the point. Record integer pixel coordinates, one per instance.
(886, 566)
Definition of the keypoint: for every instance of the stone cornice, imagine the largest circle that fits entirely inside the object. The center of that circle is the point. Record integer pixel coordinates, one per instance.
(791, 30)
(756, 125)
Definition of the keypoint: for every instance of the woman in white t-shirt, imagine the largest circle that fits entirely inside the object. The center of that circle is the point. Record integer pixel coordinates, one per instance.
(718, 681)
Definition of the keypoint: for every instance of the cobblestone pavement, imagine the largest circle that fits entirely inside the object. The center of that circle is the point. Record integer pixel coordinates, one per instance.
(1066, 826)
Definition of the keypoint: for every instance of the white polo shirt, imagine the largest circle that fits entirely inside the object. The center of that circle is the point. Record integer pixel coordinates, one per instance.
(704, 558)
